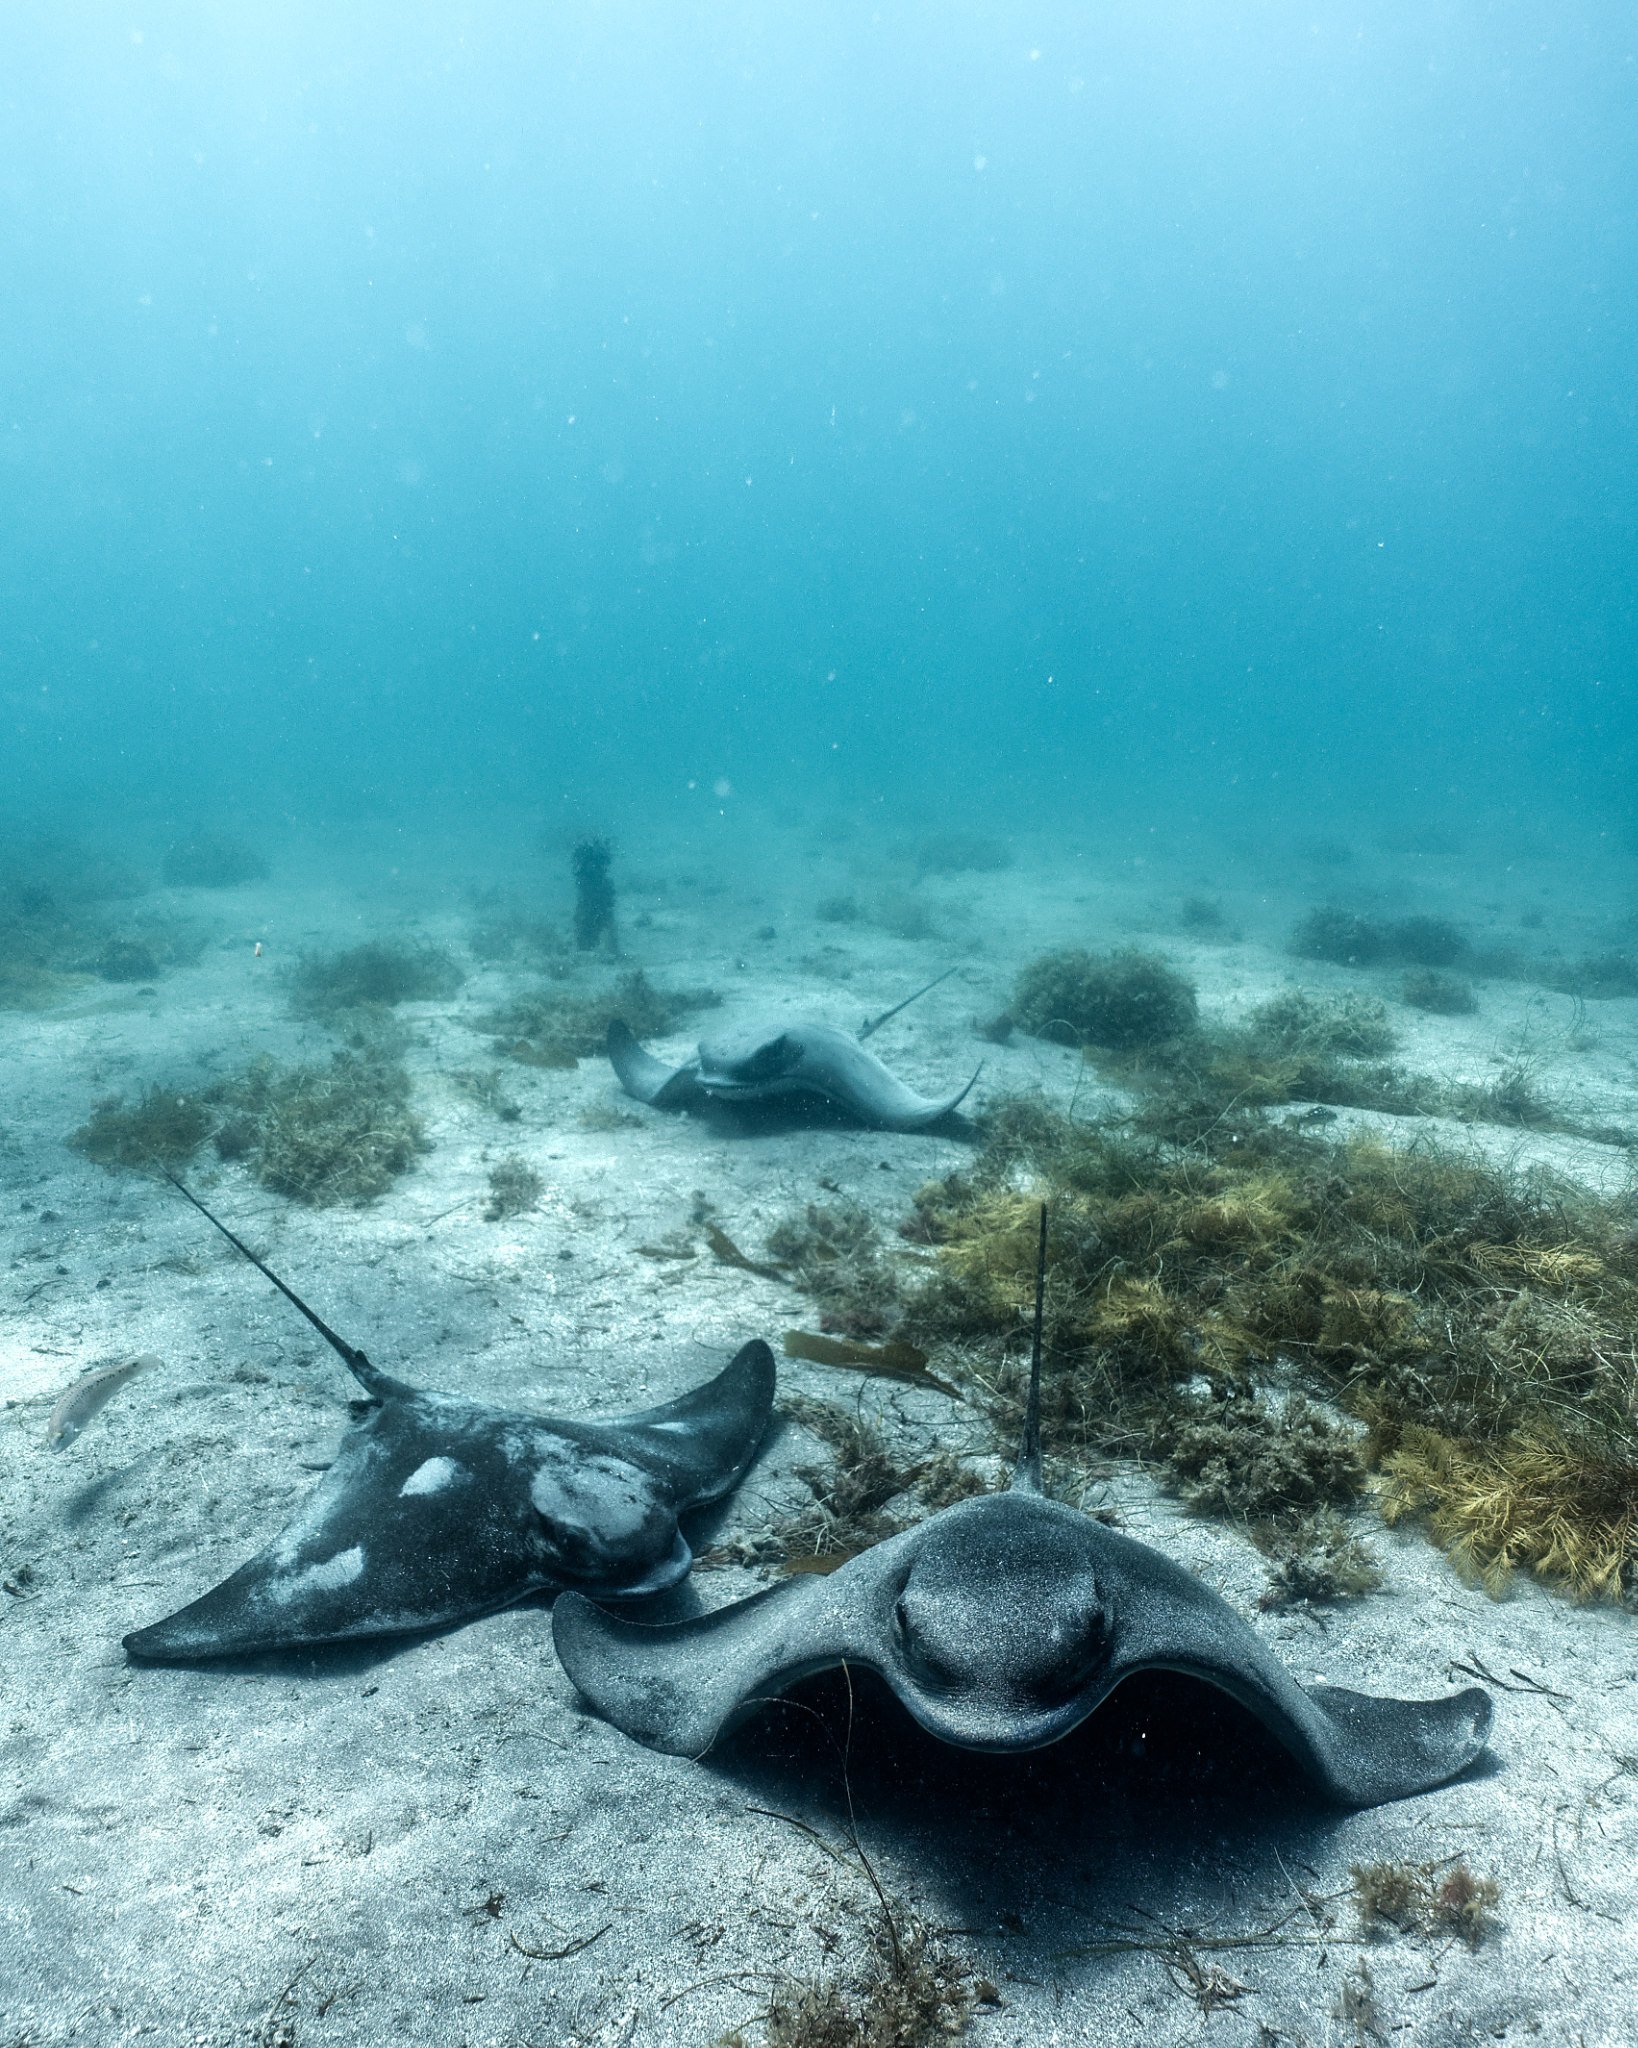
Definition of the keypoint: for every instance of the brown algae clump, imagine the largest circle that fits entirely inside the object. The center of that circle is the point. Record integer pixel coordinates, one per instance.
(1238, 1456)
(1461, 1333)
(1315, 1561)
(1427, 1899)
(911, 1993)
(343, 1132)
(835, 1253)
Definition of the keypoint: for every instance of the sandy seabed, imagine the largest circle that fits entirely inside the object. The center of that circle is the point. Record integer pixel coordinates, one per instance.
(363, 1847)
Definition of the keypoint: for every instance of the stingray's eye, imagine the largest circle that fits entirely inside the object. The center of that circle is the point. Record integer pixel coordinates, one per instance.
(770, 1060)
(922, 1656)
(569, 1545)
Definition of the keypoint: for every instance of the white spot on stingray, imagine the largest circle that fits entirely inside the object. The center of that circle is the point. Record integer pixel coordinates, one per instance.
(327, 1577)
(432, 1477)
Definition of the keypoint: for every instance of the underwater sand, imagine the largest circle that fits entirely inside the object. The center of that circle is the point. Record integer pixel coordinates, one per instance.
(357, 1848)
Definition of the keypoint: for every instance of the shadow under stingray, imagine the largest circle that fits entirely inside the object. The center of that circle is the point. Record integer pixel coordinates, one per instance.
(1169, 1807)
(778, 1115)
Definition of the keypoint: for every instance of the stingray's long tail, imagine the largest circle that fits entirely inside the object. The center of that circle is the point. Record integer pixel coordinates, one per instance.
(875, 1023)
(370, 1377)
(1027, 1472)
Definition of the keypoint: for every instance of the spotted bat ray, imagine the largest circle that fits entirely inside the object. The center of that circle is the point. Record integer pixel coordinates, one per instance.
(1001, 1623)
(762, 1062)
(437, 1509)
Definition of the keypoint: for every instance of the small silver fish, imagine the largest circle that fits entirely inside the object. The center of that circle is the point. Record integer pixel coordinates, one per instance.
(87, 1396)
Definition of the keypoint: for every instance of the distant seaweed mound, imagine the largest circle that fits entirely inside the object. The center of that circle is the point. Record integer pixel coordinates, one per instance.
(1114, 1000)
(376, 975)
(66, 920)
(211, 860)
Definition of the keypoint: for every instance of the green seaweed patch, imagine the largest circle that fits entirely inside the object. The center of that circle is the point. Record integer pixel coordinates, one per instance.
(1513, 1097)
(1437, 993)
(1309, 1050)
(1348, 1026)
(53, 943)
(1118, 1001)
(1345, 938)
(836, 1253)
(1339, 936)
(556, 1027)
(375, 975)
(162, 1128)
(342, 1132)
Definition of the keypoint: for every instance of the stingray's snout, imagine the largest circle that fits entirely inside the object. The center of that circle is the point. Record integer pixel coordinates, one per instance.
(1031, 1647)
(602, 1522)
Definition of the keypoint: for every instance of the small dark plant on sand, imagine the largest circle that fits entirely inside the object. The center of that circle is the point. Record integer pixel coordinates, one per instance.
(163, 1128)
(1427, 1899)
(514, 1187)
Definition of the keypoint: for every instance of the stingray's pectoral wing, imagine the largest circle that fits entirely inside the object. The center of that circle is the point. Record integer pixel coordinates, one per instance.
(873, 1092)
(1376, 1749)
(952, 1103)
(312, 1583)
(702, 1444)
(647, 1079)
(1359, 1749)
(413, 1527)
(680, 1688)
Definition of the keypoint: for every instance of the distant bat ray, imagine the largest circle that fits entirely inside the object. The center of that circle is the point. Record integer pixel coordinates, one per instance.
(1001, 1623)
(438, 1509)
(761, 1062)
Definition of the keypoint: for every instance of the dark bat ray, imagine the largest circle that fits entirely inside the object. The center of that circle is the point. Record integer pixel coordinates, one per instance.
(763, 1062)
(1001, 1623)
(438, 1509)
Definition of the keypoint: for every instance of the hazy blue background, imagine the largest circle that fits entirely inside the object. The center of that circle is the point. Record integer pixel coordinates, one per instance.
(1148, 405)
